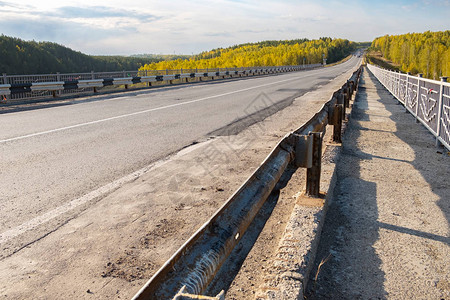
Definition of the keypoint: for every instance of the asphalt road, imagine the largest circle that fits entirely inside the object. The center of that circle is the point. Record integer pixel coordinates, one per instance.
(55, 159)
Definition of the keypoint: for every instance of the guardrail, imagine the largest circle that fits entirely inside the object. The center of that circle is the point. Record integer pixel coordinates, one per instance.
(428, 100)
(20, 87)
(190, 270)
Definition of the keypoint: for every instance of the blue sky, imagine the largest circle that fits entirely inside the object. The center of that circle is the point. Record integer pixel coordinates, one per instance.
(112, 27)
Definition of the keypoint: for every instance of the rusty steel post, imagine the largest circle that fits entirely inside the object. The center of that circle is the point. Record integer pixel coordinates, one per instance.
(350, 88)
(346, 95)
(337, 126)
(341, 100)
(313, 173)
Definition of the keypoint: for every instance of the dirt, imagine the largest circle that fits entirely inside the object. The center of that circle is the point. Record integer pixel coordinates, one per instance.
(252, 257)
(129, 265)
(112, 249)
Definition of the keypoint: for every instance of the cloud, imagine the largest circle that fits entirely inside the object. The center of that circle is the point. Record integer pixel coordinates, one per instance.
(66, 33)
(218, 34)
(436, 2)
(152, 26)
(71, 12)
(8, 4)
(13, 7)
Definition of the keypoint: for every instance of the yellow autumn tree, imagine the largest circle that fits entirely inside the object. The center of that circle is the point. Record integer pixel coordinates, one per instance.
(427, 53)
(267, 53)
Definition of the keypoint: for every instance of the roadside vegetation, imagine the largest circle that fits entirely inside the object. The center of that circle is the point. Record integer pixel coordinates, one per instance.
(30, 57)
(427, 53)
(267, 53)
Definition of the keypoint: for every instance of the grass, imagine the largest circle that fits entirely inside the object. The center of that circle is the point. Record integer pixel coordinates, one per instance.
(376, 58)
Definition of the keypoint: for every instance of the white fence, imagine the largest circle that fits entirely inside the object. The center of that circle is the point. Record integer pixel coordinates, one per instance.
(428, 100)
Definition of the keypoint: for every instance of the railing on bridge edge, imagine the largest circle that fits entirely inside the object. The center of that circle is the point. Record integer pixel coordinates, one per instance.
(428, 100)
(22, 87)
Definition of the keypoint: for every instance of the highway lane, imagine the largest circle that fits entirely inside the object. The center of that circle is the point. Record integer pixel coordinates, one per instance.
(51, 158)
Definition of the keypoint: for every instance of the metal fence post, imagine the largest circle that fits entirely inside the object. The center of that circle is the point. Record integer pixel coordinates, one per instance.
(397, 86)
(341, 100)
(58, 78)
(337, 123)
(5, 81)
(408, 74)
(346, 95)
(420, 75)
(441, 103)
(350, 88)
(313, 173)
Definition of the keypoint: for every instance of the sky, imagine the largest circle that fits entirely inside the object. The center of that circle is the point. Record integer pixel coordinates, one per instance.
(120, 27)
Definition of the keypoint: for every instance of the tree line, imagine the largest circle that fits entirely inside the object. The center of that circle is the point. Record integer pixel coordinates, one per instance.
(30, 57)
(266, 53)
(427, 53)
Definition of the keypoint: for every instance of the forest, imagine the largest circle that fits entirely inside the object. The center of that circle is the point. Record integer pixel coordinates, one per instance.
(266, 53)
(427, 53)
(30, 57)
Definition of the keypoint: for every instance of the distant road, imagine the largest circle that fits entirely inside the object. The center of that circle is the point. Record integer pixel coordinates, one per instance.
(52, 158)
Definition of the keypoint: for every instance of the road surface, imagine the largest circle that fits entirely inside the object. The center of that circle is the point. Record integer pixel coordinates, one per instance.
(55, 161)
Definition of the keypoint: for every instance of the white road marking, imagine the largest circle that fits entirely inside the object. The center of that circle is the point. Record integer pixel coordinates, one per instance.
(141, 112)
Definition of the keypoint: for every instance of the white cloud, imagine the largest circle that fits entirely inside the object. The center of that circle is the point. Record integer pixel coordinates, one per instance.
(150, 26)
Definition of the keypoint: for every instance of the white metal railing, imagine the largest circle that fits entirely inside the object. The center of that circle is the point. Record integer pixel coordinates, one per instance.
(23, 87)
(428, 100)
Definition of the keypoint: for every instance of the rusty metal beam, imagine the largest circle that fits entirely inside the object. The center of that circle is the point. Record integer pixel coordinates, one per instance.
(197, 261)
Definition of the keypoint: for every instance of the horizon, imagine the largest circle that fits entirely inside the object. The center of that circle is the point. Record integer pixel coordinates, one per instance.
(111, 28)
